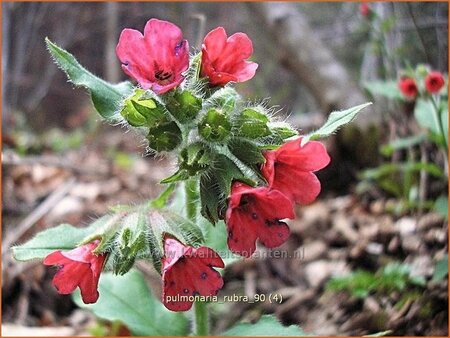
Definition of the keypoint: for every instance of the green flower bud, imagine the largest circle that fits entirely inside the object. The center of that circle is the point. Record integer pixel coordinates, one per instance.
(252, 123)
(224, 98)
(422, 70)
(130, 243)
(184, 106)
(282, 131)
(164, 136)
(215, 126)
(193, 159)
(140, 110)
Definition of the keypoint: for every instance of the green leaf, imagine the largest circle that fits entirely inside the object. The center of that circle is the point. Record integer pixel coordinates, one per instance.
(107, 98)
(423, 112)
(441, 206)
(62, 237)
(441, 269)
(246, 151)
(336, 120)
(267, 325)
(402, 143)
(444, 121)
(387, 89)
(216, 237)
(128, 299)
(215, 186)
(162, 200)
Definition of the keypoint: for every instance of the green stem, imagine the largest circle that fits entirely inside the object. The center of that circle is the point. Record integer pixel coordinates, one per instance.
(438, 121)
(191, 191)
(201, 318)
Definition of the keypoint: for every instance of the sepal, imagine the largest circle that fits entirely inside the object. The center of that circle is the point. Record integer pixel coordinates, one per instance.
(184, 106)
(165, 136)
(215, 126)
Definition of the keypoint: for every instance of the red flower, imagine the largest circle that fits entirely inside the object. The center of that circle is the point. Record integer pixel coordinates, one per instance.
(156, 59)
(434, 82)
(224, 60)
(188, 272)
(256, 213)
(290, 168)
(364, 9)
(408, 87)
(78, 267)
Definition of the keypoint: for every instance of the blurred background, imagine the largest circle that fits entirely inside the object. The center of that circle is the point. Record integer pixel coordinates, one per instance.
(374, 221)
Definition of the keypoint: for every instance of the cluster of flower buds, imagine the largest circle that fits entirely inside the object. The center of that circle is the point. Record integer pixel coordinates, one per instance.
(250, 170)
(410, 85)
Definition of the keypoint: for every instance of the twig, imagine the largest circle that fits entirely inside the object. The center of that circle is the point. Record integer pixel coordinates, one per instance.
(37, 214)
(9, 160)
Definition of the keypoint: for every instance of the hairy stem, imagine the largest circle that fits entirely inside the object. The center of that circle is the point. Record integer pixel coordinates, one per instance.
(201, 318)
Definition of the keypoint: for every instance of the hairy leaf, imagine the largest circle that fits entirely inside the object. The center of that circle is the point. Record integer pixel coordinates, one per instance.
(107, 98)
(129, 300)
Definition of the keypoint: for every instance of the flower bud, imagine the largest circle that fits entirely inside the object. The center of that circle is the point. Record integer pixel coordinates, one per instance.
(130, 243)
(215, 126)
(164, 136)
(193, 159)
(252, 123)
(140, 110)
(225, 98)
(184, 106)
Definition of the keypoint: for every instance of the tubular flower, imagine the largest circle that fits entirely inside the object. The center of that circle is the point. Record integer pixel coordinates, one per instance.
(224, 59)
(434, 82)
(157, 59)
(256, 213)
(289, 169)
(408, 87)
(188, 272)
(78, 267)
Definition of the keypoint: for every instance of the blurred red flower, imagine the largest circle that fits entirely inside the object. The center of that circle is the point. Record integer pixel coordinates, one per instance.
(256, 213)
(157, 59)
(290, 168)
(434, 82)
(408, 87)
(188, 272)
(364, 9)
(224, 59)
(78, 267)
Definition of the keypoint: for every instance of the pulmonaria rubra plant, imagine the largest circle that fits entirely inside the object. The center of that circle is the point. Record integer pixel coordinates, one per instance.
(242, 169)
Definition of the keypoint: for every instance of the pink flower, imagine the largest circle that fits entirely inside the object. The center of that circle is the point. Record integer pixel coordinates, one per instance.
(408, 87)
(224, 59)
(78, 267)
(434, 82)
(289, 169)
(157, 59)
(188, 272)
(256, 213)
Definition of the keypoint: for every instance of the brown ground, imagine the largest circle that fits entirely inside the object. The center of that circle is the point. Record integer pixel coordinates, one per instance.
(332, 237)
